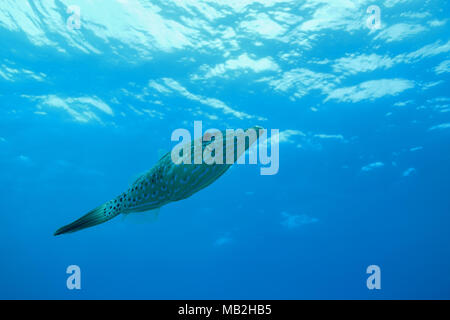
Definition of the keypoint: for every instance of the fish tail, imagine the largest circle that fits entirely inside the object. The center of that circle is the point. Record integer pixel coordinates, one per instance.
(97, 216)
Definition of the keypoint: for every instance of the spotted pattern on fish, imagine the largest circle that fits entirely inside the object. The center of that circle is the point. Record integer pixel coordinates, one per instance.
(164, 183)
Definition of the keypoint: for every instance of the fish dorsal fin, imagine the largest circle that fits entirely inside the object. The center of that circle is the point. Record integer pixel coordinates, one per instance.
(162, 153)
(210, 133)
(136, 177)
(139, 218)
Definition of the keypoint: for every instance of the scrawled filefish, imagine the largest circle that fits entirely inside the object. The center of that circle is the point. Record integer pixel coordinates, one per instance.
(164, 183)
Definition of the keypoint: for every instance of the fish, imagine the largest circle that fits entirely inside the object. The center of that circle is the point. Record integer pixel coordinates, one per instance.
(166, 182)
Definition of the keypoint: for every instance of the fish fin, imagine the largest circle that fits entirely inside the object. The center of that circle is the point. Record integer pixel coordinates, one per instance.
(162, 153)
(97, 216)
(136, 177)
(141, 217)
(209, 133)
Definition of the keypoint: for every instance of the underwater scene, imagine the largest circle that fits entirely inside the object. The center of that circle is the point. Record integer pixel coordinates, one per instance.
(240, 149)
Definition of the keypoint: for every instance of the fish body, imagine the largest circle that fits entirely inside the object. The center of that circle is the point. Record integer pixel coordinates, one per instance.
(166, 182)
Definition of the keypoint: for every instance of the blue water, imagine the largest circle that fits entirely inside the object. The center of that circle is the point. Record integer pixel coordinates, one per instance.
(364, 124)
